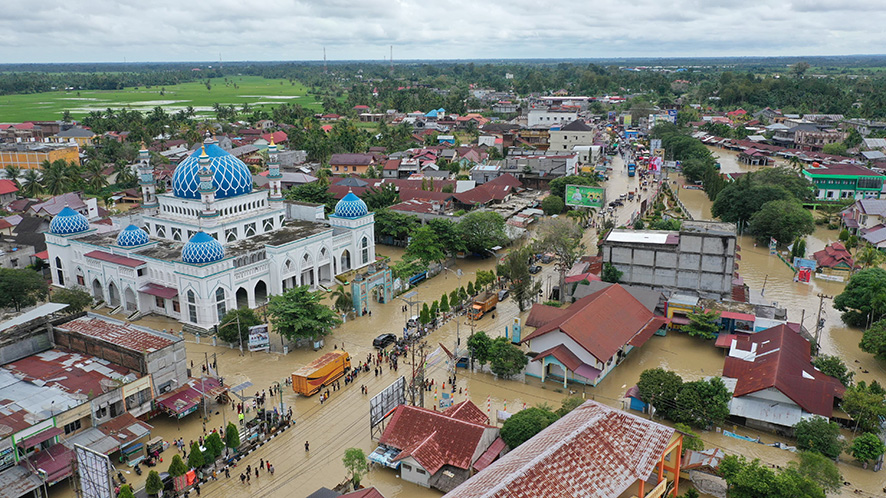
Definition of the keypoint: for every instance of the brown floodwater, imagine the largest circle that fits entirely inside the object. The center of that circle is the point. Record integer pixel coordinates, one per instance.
(343, 421)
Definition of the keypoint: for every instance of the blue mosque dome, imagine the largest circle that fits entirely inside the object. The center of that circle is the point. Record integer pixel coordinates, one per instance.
(231, 176)
(68, 221)
(202, 248)
(351, 206)
(132, 236)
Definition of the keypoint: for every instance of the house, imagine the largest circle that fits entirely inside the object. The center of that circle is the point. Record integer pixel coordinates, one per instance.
(81, 136)
(845, 181)
(505, 107)
(814, 137)
(589, 338)
(7, 192)
(440, 449)
(576, 133)
(864, 214)
(594, 451)
(391, 168)
(342, 164)
(552, 116)
(773, 382)
(31, 155)
(753, 157)
(834, 258)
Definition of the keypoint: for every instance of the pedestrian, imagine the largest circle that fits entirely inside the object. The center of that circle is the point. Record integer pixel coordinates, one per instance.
(269, 465)
(197, 489)
(271, 469)
(247, 479)
(307, 446)
(242, 478)
(256, 472)
(261, 463)
(227, 473)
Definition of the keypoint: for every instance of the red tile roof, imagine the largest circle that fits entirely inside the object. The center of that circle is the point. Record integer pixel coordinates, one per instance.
(408, 194)
(392, 164)
(114, 258)
(7, 187)
(490, 454)
(468, 412)
(593, 451)
(434, 439)
(563, 355)
(602, 322)
(782, 360)
(121, 334)
(832, 255)
(364, 493)
(541, 314)
(278, 136)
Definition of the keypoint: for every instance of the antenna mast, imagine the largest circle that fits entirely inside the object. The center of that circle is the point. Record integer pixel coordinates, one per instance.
(324, 60)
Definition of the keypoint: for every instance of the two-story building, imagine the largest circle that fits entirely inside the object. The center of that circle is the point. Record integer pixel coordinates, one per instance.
(576, 133)
(351, 164)
(845, 181)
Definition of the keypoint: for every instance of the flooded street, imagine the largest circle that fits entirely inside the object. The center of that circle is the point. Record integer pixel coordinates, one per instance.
(343, 421)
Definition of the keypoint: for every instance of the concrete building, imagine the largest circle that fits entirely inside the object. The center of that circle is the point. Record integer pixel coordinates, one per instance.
(544, 116)
(845, 181)
(567, 137)
(699, 259)
(29, 155)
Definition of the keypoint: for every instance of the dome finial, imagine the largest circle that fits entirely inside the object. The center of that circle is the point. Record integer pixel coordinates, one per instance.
(203, 150)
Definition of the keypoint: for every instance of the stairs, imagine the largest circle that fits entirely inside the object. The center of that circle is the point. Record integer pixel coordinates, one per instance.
(135, 316)
(98, 304)
(116, 310)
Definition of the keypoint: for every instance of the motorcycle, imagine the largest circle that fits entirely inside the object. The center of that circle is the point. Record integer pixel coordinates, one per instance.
(137, 469)
(121, 478)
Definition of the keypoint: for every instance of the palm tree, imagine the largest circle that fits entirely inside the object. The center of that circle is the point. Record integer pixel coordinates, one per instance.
(796, 164)
(12, 173)
(125, 176)
(323, 174)
(31, 186)
(95, 174)
(342, 299)
(870, 256)
(55, 177)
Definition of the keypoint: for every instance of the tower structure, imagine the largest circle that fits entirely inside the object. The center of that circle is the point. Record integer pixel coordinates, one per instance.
(207, 188)
(275, 177)
(146, 179)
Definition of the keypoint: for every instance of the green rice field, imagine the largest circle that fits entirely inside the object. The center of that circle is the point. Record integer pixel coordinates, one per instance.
(254, 90)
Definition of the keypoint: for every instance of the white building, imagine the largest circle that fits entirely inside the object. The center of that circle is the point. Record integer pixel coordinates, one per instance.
(550, 117)
(211, 245)
(576, 133)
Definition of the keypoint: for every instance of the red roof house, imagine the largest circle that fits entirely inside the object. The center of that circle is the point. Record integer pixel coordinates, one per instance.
(439, 449)
(775, 384)
(588, 339)
(593, 451)
(834, 257)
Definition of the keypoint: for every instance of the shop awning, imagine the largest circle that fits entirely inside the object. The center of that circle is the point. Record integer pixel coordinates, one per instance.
(679, 320)
(159, 291)
(185, 399)
(55, 462)
(489, 455)
(725, 340)
(40, 437)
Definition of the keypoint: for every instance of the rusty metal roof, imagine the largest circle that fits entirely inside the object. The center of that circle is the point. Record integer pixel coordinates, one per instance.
(118, 333)
(592, 452)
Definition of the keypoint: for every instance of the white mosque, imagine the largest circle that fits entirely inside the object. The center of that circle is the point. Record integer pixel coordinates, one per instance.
(211, 245)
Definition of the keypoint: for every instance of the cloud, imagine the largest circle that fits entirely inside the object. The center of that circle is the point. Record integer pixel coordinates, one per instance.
(175, 30)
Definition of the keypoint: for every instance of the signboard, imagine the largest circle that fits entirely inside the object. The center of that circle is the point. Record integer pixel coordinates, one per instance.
(670, 164)
(584, 196)
(805, 263)
(627, 120)
(258, 338)
(655, 143)
(672, 113)
(612, 115)
(94, 470)
(773, 245)
(383, 404)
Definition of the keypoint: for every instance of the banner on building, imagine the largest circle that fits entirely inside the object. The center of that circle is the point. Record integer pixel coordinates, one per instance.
(259, 340)
(627, 120)
(584, 196)
(672, 113)
(655, 143)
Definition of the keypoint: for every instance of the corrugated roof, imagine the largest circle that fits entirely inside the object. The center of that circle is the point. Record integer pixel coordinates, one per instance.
(119, 333)
(593, 451)
(780, 357)
(115, 259)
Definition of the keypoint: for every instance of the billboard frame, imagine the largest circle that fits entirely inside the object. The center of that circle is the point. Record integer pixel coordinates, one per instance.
(383, 404)
(581, 190)
(94, 482)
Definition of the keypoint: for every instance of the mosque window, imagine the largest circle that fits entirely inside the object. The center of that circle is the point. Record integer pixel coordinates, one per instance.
(364, 244)
(192, 307)
(220, 303)
(161, 231)
(230, 234)
(249, 230)
(176, 234)
(269, 224)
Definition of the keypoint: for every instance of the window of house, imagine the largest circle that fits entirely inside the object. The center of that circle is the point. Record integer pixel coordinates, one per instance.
(176, 307)
(420, 471)
(407, 467)
(80, 279)
(159, 301)
(73, 426)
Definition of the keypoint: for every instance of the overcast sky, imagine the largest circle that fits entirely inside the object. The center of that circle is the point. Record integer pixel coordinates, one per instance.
(200, 30)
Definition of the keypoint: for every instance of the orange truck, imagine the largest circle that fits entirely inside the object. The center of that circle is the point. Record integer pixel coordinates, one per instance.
(312, 377)
(482, 305)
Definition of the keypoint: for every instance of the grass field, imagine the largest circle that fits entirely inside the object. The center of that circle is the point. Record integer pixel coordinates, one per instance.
(257, 91)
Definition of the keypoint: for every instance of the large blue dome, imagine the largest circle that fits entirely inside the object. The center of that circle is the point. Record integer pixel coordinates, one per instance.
(68, 221)
(351, 206)
(202, 248)
(132, 236)
(231, 176)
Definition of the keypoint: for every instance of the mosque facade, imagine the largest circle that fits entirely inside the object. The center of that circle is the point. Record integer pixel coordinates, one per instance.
(211, 245)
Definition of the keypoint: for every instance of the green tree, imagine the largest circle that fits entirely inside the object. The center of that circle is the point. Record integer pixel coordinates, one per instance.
(13, 172)
(482, 230)
(424, 317)
(703, 324)
(702, 403)
(480, 346)
(230, 331)
(784, 220)
(659, 388)
(195, 456)
(834, 366)
(448, 235)
(865, 404)
(76, 299)
(691, 441)
(611, 274)
(435, 308)
(844, 235)
(869, 256)
(298, 313)
(515, 267)
(356, 464)
(342, 299)
(552, 204)
(820, 469)
(471, 290)
(314, 192)
(379, 198)
(521, 426)
(96, 178)
(506, 359)
(820, 435)
(125, 492)
(424, 246)
(153, 485)
(867, 448)
(836, 148)
(31, 186)
(232, 436)
(862, 300)
(561, 236)
(639, 225)
(444, 303)
(177, 467)
(214, 447)
(21, 288)
(569, 403)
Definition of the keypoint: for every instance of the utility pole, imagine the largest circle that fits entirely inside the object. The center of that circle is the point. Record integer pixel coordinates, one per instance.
(819, 322)
(324, 60)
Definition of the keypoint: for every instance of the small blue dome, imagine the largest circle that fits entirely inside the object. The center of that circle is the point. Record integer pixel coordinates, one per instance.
(132, 236)
(231, 176)
(68, 221)
(351, 206)
(202, 248)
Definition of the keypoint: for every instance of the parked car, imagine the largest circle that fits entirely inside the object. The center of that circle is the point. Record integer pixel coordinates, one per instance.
(412, 322)
(384, 340)
(503, 294)
(535, 269)
(546, 258)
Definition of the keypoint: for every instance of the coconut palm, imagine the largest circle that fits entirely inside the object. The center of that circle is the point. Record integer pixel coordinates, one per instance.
(96, 180)
(12, 173)
(342, 299)
(31, 186)
(870, 256)
(55, 177)
(125, 176)
(796, 164)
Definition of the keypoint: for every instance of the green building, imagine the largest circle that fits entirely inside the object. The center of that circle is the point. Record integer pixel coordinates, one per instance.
(845, 181)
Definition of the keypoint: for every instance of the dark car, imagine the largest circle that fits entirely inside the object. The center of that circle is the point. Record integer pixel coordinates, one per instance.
(546, 258)
(535, 269)
(502, 294)
(384, 340)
